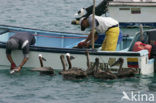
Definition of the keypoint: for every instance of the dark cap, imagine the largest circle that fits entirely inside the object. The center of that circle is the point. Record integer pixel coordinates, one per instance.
(12, 44)
(81, 23)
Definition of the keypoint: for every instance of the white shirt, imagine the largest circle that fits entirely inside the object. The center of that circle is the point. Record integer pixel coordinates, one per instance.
(104, 23)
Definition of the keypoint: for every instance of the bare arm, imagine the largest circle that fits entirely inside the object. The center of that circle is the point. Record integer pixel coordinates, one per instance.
(13, 65)
(10, 58)
(22, 63)
(88, 38)
(25, 59)
(89, 41)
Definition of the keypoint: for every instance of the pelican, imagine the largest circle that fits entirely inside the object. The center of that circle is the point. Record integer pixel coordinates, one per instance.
(64, 62)
(90, 69)
(124, 72)
(72, 72)
(42, 69)
(98, 73)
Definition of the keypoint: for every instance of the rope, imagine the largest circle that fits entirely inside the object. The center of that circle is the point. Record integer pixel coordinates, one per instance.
(56, 36)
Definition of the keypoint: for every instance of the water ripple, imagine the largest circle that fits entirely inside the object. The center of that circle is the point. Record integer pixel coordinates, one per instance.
(30, 87)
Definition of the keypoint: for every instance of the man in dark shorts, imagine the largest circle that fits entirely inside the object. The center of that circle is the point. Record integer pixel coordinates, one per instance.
(22, 41)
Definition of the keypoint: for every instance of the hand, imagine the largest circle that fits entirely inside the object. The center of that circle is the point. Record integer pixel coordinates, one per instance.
(18, 69)
(87, 45)
(81, 44)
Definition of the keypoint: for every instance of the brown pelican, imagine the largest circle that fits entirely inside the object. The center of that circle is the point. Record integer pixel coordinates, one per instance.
(64, 62)
(72, 72)
(98, 73)
(90, 69)
(42, 69)
(124, 72)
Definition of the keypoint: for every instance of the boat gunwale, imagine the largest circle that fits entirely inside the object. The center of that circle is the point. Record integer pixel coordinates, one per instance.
(77, 51)
(65, 50)
(38, 30)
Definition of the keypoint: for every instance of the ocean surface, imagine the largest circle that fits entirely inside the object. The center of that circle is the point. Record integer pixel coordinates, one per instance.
(31, 87)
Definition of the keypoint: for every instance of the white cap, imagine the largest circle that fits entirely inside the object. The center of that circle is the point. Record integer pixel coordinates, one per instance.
(80, 13)
(68, 54)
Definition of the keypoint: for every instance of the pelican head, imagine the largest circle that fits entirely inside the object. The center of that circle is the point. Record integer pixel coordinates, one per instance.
(119, 61)
(71, 57)
(41, 57)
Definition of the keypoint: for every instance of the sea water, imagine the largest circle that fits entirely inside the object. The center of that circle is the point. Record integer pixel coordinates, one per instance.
(31, 87)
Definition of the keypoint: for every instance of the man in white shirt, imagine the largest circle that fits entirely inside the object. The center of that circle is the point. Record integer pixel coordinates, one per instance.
(103, 26)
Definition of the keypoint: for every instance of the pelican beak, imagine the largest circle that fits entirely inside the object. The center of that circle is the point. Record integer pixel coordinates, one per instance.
(41, 57)
(44, 59)
(116, 63)
(72, 57)
(119, 61)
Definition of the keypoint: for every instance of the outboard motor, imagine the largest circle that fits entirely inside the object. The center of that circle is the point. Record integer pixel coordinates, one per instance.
(100, 9)
(152, 40)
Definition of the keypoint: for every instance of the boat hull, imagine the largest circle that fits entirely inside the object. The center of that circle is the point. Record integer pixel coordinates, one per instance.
(131, 14)
(145, 66)
(137, 24)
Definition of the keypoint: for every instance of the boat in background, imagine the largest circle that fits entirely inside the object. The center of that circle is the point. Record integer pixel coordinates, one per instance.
(129, 13)
(132, 13)
(52, 44)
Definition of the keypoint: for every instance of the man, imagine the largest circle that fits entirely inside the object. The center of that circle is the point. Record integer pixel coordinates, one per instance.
(21, 40)
(103, 26)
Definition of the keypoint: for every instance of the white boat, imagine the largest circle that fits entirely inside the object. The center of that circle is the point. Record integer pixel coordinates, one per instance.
(52, 44)
(129, 13)
(132, 13)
